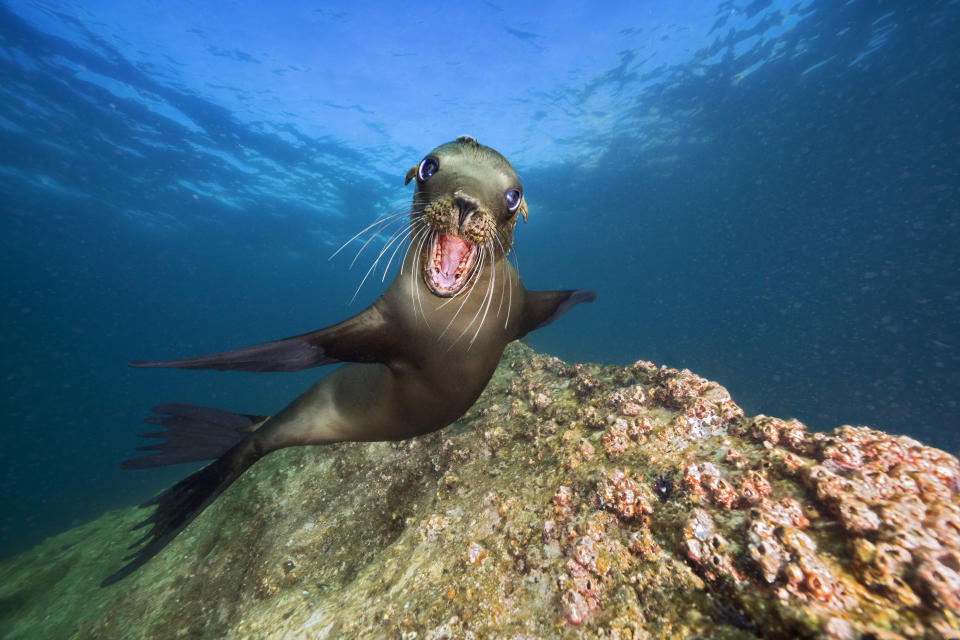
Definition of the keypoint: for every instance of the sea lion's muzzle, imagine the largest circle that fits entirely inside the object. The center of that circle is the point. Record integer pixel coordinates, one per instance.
(461, 215)
(467, 206)
(460, 227)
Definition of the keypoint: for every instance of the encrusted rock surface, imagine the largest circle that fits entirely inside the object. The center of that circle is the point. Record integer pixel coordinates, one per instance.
(572, 501)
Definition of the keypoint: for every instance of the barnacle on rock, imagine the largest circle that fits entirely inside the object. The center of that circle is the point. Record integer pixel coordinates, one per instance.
(643, 544)
(627, 400)
(695, 475)
(857, 517)
(719, 490)
(937, 576)
(790, 435)
(625, 497)
(616, 438)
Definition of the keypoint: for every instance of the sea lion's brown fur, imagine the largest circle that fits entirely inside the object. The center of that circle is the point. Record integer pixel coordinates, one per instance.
(419, 360)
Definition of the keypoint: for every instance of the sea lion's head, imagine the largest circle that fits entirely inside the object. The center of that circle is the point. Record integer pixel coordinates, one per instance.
(468, 197)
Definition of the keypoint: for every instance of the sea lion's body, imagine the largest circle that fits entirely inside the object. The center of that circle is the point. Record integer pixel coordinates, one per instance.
(429, 383)
(419, 356)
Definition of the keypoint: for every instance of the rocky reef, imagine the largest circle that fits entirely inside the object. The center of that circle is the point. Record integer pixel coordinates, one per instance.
(572, 501)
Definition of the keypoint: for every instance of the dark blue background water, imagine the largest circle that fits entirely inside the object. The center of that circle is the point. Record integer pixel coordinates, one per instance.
(791, 232)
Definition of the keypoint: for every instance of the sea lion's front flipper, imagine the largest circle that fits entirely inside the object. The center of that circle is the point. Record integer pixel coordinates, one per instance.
(543, 307)
(363, 338)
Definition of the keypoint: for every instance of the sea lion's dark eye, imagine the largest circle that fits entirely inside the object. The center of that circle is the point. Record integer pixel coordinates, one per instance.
(513, 198)
(428, 167)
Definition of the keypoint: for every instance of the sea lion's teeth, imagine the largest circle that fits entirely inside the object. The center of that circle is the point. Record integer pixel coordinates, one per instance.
(450, 265)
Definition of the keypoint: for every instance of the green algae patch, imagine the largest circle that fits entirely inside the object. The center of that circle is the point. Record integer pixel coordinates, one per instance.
(571, 501)
(43, 591)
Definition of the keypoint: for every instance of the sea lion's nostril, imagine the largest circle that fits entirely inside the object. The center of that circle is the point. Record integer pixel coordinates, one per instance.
(466, 205)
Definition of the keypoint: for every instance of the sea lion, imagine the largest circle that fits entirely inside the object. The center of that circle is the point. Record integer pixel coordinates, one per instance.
(422, 352)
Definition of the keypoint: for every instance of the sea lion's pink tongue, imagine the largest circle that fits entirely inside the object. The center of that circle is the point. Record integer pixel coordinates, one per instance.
(452, 252)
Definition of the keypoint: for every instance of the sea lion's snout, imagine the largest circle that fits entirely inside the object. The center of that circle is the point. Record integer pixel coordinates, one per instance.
(463, 216)
(467, 206)
(460, 227)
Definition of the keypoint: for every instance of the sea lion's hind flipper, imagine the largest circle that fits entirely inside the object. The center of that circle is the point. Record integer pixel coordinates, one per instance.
(543, 307)
(362, 338)
(184, 501)
(192, 434)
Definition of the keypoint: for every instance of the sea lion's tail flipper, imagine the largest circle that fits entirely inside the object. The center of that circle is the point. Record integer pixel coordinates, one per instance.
(184, 501)
(366, 337)
(192, 434)
(543, 307)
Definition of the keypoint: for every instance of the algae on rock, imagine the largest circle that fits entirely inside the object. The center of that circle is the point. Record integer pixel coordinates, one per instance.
(571, 501)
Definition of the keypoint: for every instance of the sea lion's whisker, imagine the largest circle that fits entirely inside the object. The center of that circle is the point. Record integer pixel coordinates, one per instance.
(398, 210)
(470, 283)
(415, 225)
(479, 309)
(372, 237)
(373, 266)
(379, 220)
(489, 296)
(509, 284)
(414, 272)
(406, 253)
(516, 261)
(399, 233)
(486, 296)
(502, 288)
(505, 276)
(450, 299)
(413, 269)
(381, 226)
(422, 234)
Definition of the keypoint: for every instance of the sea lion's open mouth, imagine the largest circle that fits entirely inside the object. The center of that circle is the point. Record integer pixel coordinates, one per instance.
(449, 263)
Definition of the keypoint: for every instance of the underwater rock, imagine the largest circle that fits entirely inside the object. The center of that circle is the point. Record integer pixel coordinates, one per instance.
(572, 501)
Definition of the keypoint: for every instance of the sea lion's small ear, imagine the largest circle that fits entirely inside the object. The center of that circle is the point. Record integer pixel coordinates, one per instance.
(523, 209)
(410, 174)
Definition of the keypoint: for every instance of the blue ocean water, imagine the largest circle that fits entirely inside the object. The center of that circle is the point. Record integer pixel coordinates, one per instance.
(764, 192)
